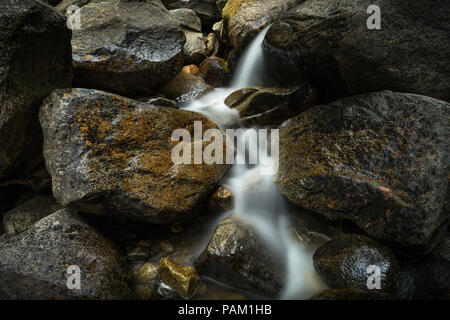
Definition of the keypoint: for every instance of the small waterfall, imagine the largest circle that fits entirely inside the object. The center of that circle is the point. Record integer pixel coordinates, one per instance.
(256, 199)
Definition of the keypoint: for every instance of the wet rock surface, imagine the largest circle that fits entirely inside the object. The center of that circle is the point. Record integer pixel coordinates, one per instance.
(35, 59)
(343, 263)
(194, 50)
(34, 263)
(120, 49)
(185, 87)
(110, 155)
(271, 106)
(329, 42)
(182, 279)
(243, 19)
(214, 71)
(379, 160)
(207, 10)
(238, 258)
(26, 214)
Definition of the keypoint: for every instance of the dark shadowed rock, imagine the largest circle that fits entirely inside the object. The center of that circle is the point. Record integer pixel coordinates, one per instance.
(221, 200)
(110, 155)
(26, 214)
(343, 263)
(185, 87)
(34, 264)
(238, 258)
(215, 71)
(380, 160)
(352, 294)
(243, 19)
(329, 43)
(271, 106)
(35, 58)
(119, 48)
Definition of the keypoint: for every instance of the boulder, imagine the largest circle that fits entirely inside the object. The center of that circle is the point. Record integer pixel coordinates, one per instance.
(271, 106)
(120, 49)
(344, 261)
(35, 59)
(35, 263)
(182, 279)
(329, 43)
(110, 155)
(237, 257)
(185, 87)
(379, 160)
(26, 214)
(194, 50)
(243, 19)
(214, 71)
(206, 9)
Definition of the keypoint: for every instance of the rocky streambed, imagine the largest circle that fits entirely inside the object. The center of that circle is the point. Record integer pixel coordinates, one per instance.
(88, 185)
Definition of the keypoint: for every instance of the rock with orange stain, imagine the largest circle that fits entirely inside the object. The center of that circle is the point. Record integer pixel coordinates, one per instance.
(110, 155)
(378, 159)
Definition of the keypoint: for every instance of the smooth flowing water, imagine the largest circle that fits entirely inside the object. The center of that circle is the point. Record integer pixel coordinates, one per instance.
(256, 199)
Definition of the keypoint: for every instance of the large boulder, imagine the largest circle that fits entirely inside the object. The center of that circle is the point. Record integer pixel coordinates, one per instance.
(110, 155)
(237, 256)
(35, 58)
(345, 262)
(35, 263)
(119, 48)
(329, 42)
(271, 106)
(243, 19)
(26, 214)
(380, 160)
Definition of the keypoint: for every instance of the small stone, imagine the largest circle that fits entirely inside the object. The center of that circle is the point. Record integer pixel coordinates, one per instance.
(191, 69)
(139, 254)
(183, 279)
(221, 200)
(148, 273)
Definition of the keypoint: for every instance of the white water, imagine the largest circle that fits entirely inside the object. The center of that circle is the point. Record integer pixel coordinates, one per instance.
(256, 199)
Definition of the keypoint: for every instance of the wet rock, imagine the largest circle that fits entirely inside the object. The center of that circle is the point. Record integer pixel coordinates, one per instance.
(26, 214)
(343, 263)
(221, 200)
(147, 282)
(243, 19)
(34, 263)
(139, 253)
(212, 45)
(185, 87)
(35, 59)
(110, 155)
(194, 49)
(329, 43)
(52, 2)
(236, 257)
(159, 101)
(65, 4)
(183, 279)
(206, 9)
(271, 106)
(187, 19)
(120, 49)
(352, 294)
(379, 160)
(214, 71)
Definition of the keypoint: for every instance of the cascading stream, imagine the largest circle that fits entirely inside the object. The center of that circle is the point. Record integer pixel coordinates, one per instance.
(256, 199)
